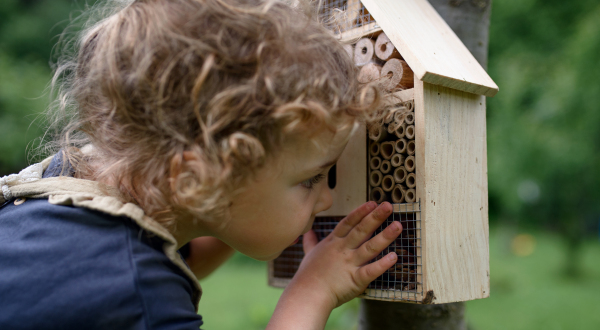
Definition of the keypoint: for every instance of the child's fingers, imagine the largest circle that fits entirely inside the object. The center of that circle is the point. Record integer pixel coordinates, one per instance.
(372, 247)
(368, 273)
(365, 228)
(309, 240)
(345, 226)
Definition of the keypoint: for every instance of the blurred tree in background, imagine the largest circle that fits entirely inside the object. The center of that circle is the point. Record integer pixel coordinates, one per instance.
(543, 126)
(28, 31)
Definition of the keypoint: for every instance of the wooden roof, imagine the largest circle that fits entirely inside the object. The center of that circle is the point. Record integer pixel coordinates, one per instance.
(429, 46)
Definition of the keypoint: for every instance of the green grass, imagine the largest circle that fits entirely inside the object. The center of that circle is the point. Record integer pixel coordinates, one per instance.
(237, 296)
(532, 292)
(526, 292)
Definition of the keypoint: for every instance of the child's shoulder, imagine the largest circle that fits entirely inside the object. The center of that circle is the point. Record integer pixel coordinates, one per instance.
(75, 264)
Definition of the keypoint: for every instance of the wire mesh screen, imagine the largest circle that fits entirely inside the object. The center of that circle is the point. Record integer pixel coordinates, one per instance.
(287, 263)
(401, 282)
(404, 280)
(348, 18)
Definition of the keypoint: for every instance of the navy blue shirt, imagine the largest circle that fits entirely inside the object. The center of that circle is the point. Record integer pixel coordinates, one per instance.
(63, 267)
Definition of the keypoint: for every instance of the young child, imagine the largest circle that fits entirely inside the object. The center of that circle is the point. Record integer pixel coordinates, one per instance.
(212, 122)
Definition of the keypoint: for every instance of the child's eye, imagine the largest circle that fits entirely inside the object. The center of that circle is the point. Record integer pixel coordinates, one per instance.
(310, 183)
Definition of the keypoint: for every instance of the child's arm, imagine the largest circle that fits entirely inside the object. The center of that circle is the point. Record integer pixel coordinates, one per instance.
(336, 269)
(206, 255)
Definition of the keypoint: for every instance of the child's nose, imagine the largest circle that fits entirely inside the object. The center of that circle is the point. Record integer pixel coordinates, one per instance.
(325, 200)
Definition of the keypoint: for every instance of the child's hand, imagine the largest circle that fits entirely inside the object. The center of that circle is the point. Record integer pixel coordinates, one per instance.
(337, 269)
(340, 264)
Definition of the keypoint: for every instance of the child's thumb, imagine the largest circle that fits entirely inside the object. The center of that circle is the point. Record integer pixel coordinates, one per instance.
(309, 240)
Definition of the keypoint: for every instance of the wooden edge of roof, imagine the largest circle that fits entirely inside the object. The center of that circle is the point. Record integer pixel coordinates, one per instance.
(429, 46)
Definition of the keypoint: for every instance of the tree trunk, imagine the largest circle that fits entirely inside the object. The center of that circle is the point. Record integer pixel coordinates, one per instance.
(381, 315)
(470, 20)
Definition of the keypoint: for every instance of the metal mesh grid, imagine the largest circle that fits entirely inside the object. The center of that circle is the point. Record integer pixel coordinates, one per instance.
(404, 280)
(401, 282)
(392, 142)
(287, 263)
(347, 17)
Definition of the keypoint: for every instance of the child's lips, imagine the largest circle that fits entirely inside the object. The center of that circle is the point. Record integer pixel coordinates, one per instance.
(296, 241)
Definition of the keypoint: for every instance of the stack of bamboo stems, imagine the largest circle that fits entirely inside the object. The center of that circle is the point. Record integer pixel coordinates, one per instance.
(392, 157)
(379, 59)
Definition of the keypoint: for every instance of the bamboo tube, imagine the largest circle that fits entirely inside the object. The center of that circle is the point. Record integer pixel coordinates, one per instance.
(375, 163)
(409, 163)
(401, 146)
(410, 196)
(374, 149)
(391, 128)
(396, 160)
(378, 195)
(410, 132)
(410, 147)
(385, 167)
(397, 194)
(387, 149)
(410, 105)
(363, 51)
(350, 50)
(401, 76)
(387, 183)
(375, 178)
(400, 174)
(409, 119)
(377, 133)
(389, 117)
(411, 180)
(399, 116)
(368, 73)
(384, 49)
(400, 131)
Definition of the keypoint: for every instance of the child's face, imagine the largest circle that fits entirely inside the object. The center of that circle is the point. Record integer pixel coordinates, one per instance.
(280, 203)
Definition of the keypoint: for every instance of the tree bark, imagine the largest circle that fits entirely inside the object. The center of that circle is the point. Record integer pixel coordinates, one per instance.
(381, 315)
(470, 20)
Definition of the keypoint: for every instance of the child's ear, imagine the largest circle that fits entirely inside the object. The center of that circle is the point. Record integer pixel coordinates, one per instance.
(178, 163)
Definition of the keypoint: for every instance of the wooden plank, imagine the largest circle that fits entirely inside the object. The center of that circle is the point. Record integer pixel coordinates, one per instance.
(277, 282)
(392, 295)
(350, 191)
(452, 180)
(429, 46)
(403, 96)
(405, 208)
(419, 147)
(354, 34)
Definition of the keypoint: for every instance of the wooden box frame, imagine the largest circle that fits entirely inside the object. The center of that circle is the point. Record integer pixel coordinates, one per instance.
(449, 94)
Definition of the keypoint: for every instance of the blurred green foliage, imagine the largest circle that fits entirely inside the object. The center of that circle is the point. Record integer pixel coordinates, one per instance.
(527, 290)
(28, 31)
(543, 126)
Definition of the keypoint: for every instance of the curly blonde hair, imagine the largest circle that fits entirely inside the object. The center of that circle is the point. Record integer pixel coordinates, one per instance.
(224, 81)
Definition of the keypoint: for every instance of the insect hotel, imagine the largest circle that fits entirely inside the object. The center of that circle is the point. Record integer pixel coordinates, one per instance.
(428, 157)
